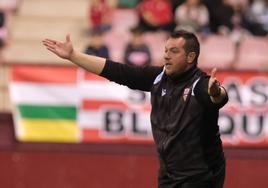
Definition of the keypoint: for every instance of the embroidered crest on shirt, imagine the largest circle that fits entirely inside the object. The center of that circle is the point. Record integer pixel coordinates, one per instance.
(186, 92)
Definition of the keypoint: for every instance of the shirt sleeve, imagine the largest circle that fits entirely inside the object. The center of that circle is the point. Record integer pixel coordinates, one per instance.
(134, 77)
(201, 93)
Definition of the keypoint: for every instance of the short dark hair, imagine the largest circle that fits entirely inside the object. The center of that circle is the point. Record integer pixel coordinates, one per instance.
(192, 43)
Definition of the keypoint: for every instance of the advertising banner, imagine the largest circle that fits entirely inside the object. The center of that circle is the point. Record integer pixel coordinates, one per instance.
(67, 104)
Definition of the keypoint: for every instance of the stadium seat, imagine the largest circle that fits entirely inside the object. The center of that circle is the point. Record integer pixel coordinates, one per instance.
(124, 18)
(156, 42)
(116, 40)
(253, 54)
(243, 3)
(217, 51)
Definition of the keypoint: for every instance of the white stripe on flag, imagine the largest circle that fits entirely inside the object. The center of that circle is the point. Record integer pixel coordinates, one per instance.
(47, 94)
(104, 90)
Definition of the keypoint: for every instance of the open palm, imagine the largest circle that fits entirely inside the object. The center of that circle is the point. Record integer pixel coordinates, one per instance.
(61, 49)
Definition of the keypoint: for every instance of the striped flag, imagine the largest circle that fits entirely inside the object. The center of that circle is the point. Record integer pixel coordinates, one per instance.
(67, 104)
(45, 102)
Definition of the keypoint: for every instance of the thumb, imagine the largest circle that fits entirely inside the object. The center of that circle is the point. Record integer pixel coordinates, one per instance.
(213, 72)
(68, 38)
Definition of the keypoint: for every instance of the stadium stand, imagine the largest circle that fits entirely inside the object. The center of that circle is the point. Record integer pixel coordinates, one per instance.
(217, 51)
(253, 54)
(47, 19)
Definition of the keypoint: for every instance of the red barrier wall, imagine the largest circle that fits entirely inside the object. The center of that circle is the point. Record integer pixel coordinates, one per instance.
(34, 165)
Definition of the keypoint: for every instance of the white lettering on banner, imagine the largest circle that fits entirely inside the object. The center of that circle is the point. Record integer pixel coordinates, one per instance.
(252, 94)
(243, 128)
(244, 120)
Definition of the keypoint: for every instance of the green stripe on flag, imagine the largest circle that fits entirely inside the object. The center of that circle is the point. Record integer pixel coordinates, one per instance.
(48, 112)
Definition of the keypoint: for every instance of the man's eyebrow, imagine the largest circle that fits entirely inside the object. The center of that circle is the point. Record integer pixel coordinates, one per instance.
(172, 48)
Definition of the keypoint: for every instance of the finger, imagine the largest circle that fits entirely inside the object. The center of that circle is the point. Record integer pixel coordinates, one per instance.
(68, 38)
(211, 82)
(50, 40)
(213, 72)
(51, 49)
(49, 45)
(45, 42)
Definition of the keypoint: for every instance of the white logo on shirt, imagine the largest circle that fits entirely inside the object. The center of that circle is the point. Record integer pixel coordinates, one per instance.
(164, 91)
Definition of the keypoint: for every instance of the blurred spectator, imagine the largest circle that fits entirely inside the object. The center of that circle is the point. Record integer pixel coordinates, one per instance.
(3, 32)
(10, 5)
(100, 14)
(137, 52)
(3, 28)
(155, 15)
(192, 16)
(220, 13)
(175, 4)
(257, 17)
(96, 44)
(239, 29)
(7, 8)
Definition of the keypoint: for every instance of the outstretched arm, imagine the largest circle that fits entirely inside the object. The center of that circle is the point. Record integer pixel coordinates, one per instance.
(65, 50)
(216, 92)
(134, 77)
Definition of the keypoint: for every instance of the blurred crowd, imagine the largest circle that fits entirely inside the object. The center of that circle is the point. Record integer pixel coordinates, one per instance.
(233, 18)
(205, 16)
(7, 8)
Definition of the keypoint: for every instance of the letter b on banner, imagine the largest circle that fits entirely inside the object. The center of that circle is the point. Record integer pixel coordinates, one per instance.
(114, 121)
(118, 121)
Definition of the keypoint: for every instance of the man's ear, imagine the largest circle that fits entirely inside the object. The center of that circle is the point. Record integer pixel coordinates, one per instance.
(190, 57)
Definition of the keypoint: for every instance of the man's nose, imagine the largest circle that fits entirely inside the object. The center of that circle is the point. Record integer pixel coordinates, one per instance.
(166, 56)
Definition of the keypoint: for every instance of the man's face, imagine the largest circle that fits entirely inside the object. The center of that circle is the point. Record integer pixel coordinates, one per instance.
(175, 57)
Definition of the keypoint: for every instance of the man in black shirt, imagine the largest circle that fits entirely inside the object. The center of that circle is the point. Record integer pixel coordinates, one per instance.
(185, 108)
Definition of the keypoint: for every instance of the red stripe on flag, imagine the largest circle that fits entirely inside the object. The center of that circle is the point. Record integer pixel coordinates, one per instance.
(97, 104)
(94, 77)
(44, 74)
(89, 104)
(147, 108)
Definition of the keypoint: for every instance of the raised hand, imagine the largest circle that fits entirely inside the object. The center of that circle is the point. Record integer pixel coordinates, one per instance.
(214, 89)
(61, 49)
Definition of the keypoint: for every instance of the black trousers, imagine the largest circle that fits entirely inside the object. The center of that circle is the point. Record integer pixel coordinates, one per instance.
(216, 181)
